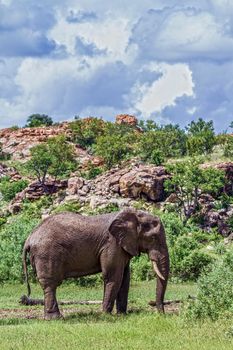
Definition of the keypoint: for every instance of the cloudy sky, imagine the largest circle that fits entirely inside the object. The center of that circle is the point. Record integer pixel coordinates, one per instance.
(171, 61)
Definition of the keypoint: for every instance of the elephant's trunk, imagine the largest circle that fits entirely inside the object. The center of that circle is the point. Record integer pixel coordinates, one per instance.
(161, 268)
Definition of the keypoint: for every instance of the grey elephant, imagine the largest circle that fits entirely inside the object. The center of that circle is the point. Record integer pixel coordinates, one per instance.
(72, 245)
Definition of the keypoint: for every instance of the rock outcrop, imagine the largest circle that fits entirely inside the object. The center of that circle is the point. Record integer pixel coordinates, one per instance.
(35, 191)
(117, 186)
(10, 172)
(18, 142)
(126, 119)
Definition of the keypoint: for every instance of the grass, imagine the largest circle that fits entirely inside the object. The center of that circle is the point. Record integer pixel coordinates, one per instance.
(88, 328)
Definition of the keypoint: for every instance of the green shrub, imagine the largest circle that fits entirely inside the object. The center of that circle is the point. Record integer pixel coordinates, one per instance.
(36, 120)
(228, 147)
(109, 208)
(91, 172)
(189, 181)
(157, 157)
(35, 209)
(10, 189)
(201, 138)
(12, 238)
(215, 291)
(116, 143)
(186, 260)
(174, 227)
(86, 131)
(156, 145)
(55, 157)
(2, 221)
(141, 268)
(69, 206)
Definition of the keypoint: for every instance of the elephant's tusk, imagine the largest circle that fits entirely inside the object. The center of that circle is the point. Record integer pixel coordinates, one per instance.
(156, 269)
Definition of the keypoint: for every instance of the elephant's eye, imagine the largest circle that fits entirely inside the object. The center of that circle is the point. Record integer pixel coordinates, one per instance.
(146, 226)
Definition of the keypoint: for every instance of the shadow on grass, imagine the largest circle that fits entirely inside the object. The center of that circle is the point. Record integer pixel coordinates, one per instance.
(13, 321)
(76, 316)
(99, 316)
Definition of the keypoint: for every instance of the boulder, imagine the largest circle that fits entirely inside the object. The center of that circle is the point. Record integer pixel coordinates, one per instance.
(126, 119)
(145, 181)
(18, 142)
(74, 184)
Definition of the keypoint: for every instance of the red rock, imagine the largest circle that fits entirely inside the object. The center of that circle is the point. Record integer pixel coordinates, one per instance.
(126, 119)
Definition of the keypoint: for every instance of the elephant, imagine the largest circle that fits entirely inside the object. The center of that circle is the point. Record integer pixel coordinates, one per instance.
(69, 244)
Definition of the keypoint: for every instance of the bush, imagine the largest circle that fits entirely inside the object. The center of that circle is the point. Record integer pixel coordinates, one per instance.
(215, 291)
(201, 137)
(186, 259)
(86, 131)
(141, 268)
(228, 147)
(10, 189)
(156, 145)
(2, 221)
(189, 181)
(73, 207)
(91, 171)
(55, 157)
(174, 227)
(12, 238)
(36, 120)
(116, 144)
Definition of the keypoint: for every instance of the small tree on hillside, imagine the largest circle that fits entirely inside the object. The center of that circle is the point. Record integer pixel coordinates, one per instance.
(201, 137)
(55, 157)
(168, 141)
(188, 181)
(36, 120)
(116, 144)
(86, 131)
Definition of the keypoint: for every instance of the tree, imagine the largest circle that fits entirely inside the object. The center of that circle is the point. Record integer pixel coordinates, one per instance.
(201, 138)
(168, 141)
(86, 131)
(228, 147)
(148, 125)
(188, 181)
(35, 120)
(55, 157)
(116, 144)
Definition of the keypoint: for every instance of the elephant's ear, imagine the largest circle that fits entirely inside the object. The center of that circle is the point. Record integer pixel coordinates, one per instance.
(124, 228)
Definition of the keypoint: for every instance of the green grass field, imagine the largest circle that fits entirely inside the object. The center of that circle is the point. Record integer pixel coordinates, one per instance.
(85, 327)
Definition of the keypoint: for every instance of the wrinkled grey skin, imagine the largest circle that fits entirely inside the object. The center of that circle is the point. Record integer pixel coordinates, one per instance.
(71, 245)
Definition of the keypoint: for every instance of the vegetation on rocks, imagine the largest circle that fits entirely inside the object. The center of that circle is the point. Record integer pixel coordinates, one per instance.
(36, 120)
(55, 158)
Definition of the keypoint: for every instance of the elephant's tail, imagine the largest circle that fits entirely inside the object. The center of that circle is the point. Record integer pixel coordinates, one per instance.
(25, 269)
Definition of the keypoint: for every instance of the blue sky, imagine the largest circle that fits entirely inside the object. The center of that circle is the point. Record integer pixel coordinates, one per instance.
(171, 61)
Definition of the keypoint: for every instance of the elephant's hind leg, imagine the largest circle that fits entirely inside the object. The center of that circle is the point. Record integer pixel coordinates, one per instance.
(49, 286)
(51, 309)
(122, 296)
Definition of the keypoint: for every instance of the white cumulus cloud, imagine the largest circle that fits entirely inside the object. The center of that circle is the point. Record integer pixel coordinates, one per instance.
(175, 81)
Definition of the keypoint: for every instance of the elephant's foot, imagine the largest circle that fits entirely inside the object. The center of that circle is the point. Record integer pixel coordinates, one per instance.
(121, 312)
(160, 308)
(48, 316)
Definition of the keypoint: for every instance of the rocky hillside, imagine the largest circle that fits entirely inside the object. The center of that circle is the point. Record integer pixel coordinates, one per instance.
(120, 186)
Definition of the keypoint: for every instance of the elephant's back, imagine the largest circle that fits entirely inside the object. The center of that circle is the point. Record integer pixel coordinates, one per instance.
(69, 226)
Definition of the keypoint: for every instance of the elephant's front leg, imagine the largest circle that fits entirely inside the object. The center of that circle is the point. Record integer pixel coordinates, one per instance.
(112, 284)
(122, 296)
